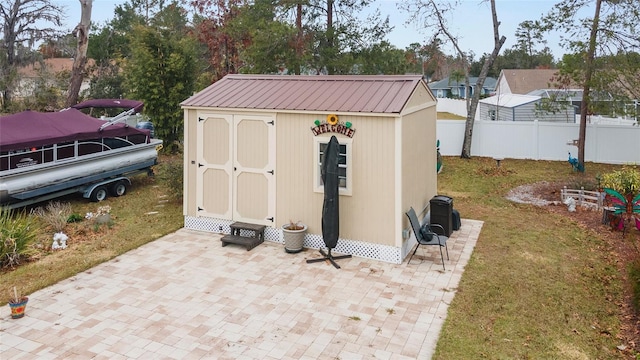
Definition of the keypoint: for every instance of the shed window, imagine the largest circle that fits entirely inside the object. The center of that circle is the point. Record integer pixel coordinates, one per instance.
(492, 115)
(344, 165)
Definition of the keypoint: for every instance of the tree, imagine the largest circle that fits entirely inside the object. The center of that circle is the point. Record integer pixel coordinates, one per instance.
(270, 45)
(160, 71)
(211, 30)
(434, 15)
(382, 58)
(80, 61)
(338, 33)
(110, 46)
(529, 34)
(431, 62)
(24, 22)
(612, 30)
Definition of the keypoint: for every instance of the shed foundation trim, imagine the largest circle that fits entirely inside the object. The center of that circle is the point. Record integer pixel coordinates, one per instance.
(357, 248)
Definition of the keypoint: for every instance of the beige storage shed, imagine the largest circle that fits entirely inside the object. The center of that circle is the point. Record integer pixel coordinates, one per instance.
(253, 150)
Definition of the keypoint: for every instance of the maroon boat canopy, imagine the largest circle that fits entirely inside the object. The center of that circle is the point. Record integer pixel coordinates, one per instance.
(29, 129)
(111, 104)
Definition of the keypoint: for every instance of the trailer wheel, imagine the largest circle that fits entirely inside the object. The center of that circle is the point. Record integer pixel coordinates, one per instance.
(118, 189)
(98, 194)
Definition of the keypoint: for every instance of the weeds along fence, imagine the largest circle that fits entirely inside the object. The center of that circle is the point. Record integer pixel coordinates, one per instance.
(539, 140)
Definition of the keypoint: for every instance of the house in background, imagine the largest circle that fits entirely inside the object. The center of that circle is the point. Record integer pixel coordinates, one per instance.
(524, 81)
(253, 146)
(539, 82)
(544, 83)
(47, 72)
(516, 107)
(450, 88)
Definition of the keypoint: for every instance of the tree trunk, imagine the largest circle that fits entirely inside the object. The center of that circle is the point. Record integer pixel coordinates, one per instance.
(78, 71)
(7, 72)
(330, 37)
(584, 106)
(471, 111)
(299, 40)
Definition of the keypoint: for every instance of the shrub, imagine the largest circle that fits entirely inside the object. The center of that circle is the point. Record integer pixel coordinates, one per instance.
(172, 175)
(17, 232)
(74, 218)
(54, 214)
(583, 182)
(625, 181)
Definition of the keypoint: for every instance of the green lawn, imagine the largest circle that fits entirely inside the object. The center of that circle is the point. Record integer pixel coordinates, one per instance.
(538, 286)
(450, 116)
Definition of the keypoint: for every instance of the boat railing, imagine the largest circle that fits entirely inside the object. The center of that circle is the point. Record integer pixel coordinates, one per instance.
(118, 118)
(59, 152)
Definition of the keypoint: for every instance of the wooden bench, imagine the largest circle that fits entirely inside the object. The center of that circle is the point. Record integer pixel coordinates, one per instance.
(236, 237)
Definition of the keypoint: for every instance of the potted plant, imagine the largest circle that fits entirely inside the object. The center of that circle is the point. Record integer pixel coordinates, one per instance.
(17, 304)
(293, 233)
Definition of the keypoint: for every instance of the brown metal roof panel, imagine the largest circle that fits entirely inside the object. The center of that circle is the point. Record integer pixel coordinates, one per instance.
(351, 92)
(254, 94)
(367, 92)
(307, 98)
(297, 93)
(216, 93)
(310, 93)
(273, 93)
(318, 98)
(228, 93)
(377, 97)
(211, 95)
(292, 94)
(336, 92)
(393, 102)
(330, 96)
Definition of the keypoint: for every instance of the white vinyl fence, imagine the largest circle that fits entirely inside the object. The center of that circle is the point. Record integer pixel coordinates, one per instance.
(538, 140)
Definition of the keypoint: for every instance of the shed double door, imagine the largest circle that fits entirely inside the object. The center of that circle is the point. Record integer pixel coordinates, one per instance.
(236, 167)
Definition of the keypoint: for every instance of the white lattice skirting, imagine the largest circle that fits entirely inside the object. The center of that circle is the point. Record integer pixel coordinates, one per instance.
(345, 246)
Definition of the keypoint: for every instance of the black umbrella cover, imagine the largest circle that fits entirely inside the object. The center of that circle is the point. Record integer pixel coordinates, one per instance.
(330, 210)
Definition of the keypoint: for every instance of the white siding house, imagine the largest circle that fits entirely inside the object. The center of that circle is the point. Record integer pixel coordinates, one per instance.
(514, 107)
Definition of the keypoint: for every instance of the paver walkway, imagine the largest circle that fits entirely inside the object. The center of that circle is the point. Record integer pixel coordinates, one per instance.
(184, 296)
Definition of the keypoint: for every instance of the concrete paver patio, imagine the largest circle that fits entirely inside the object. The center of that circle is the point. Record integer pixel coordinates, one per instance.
(184, 296)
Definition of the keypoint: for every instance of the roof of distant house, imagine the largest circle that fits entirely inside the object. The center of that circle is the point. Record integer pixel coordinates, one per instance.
(53, 65)
(335, 93)
(524, 81)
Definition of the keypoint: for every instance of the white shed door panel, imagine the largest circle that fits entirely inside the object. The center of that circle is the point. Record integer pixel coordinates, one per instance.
(236, 164)
(254, 170)
(215, 166)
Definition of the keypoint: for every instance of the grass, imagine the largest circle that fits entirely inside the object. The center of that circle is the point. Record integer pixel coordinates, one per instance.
(449, 116)
(144, 214)
(538, 286)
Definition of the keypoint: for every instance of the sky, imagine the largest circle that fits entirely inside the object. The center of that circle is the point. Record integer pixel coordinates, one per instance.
(471, 22)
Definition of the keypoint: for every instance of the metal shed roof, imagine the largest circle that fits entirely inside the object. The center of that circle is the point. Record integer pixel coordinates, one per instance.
(332, 93)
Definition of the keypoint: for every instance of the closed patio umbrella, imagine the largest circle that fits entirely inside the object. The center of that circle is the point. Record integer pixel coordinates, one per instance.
(330, 206)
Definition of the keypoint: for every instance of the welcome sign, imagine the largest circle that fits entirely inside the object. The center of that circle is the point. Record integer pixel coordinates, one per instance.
(333, 125)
